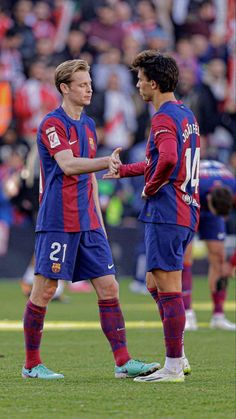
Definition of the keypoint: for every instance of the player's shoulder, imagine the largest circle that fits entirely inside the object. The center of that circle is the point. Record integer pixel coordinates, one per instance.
(53, 118)
(172, 110)
(163, 121)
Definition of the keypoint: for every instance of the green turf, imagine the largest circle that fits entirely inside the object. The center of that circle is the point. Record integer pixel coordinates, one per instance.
(89, 389)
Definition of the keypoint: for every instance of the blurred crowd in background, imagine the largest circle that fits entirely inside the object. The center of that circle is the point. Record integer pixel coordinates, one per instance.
(36, 36)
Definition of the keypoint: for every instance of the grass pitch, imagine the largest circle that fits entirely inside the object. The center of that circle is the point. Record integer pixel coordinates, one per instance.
(73, 344)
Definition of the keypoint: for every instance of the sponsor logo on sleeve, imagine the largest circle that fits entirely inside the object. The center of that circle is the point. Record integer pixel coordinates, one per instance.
(53, 137)
(161, 131)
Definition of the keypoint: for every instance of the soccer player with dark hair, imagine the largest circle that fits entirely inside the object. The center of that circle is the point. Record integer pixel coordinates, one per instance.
(71, 242)
(171, 208)
(217, 190)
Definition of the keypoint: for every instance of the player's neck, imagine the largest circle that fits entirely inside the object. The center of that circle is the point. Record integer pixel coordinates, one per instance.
(72, 111)
(162, 98)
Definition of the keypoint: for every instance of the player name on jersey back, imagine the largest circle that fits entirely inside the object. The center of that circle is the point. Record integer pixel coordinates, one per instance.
(190, 129)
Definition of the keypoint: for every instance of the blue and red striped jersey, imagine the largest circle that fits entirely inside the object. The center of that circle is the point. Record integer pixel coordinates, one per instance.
(214, 173)
(173, 195)
(66, 202)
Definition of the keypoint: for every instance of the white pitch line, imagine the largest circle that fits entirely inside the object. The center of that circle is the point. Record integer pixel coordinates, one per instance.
(9, 325)
(202, 306)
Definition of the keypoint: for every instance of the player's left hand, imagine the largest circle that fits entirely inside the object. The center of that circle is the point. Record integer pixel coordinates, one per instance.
(143, 195)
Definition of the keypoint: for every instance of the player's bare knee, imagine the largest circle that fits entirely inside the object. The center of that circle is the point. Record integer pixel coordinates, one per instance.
(49, 290)
(110, 290)
(216, 259)
(150, 282)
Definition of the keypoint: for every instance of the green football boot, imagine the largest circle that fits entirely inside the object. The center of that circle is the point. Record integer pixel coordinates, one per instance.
(40, 371)
(134, 368)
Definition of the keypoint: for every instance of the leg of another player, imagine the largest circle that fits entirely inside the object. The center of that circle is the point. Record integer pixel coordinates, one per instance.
(171, 307)
(187, 285)
(42, 292)
(152, 288)
(113, 326)
(218, 284)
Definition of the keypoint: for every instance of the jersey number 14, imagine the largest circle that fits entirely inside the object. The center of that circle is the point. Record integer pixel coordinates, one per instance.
(192, 169)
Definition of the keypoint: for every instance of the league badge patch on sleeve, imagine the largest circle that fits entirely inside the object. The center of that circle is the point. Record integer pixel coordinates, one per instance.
(53, 137)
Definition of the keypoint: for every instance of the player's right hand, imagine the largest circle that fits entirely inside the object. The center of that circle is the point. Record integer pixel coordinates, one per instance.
(116, 154)
(114, 165)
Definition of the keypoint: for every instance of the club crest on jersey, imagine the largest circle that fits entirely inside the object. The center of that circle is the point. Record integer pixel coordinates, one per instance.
(53, 137)
(187, 199)
(56, 267)
(91, 143)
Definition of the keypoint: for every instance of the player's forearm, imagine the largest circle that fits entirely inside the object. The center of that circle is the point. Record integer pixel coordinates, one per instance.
(80, 165)
(132, 169)
(164, 169)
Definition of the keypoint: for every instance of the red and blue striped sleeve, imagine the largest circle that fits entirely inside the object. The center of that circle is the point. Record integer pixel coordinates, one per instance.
(54, 136)
(132, 169)
(165, 138)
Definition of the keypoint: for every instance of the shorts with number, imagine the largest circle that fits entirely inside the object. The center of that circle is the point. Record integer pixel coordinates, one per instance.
(165, 246)
(211, 227)
(73, 256)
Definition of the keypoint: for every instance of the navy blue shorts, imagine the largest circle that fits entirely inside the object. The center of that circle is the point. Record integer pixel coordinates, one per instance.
(165, 246)
(73, 256)
(211, 227)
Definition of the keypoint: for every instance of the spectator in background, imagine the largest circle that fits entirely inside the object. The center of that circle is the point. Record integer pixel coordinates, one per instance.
(9, 142)
(116, 115)
(185, 56)
(43, 26)
(76, 46)
(104, 31)
(11, 62)
(119, 115)
(5, 212)
(111, 63)
(44, 51)
(147, 16)
(131, 26)
(23, 18)
(131, 47)
(12, 157)
(186, 89)
(5, 22)
(33, 100)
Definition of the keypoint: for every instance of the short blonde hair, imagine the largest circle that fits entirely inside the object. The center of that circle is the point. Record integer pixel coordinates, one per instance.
(65, 71)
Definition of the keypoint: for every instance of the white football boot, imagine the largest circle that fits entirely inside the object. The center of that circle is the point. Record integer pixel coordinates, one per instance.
(162, 376)
(186, 366)
(191, 320)
(219, 321)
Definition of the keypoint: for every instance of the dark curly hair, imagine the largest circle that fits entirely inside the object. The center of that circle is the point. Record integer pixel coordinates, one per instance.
(222, 200)
(160, 68)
